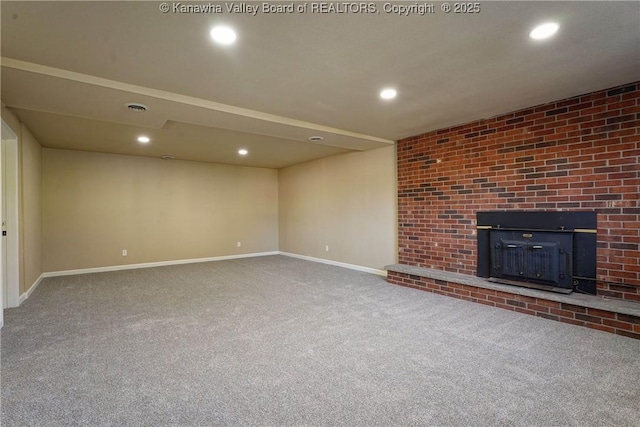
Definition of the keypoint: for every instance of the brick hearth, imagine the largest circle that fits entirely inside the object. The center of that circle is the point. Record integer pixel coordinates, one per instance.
(602, 313)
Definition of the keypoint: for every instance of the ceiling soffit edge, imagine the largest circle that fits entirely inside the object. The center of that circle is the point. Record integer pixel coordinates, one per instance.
(182, 99)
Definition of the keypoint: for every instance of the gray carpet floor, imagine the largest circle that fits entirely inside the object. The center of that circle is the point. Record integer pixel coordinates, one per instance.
(281, 341)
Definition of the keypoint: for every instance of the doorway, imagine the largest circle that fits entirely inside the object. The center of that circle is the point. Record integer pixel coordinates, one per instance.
(9, 260)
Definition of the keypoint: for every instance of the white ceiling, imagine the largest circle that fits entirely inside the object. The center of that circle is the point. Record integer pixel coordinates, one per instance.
(68, 68)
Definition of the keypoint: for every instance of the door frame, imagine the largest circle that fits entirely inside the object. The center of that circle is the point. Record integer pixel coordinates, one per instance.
(10, 188)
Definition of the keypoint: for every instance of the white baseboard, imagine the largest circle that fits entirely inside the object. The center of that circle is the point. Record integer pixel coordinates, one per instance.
(33, 287)
(192, 261)
(152, 264)
(337, 263)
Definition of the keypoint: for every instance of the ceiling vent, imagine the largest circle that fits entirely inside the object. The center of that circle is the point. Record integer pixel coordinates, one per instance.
(136, 106)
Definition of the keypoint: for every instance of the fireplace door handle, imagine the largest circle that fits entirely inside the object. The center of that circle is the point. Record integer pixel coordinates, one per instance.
(495, 256)
(566, 268)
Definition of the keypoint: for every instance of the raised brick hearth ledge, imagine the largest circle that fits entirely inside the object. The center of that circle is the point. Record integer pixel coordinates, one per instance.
(596, 312)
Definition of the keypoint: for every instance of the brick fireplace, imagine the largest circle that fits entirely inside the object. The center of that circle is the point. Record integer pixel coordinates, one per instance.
(577, 154)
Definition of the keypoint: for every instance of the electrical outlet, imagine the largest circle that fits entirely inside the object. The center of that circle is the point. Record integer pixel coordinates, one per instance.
(124, 252)
(326, 248)
(239, 244)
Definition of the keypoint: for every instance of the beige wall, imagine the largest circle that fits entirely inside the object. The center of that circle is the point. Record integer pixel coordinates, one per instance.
(80, 210)
(96, 205)
(346, 202)
(31, 212)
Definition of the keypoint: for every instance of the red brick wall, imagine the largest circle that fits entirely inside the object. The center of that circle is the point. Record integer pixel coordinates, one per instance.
(581, 153)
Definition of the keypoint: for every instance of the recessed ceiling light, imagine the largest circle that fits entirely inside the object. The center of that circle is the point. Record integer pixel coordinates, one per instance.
(315, 138)
(167, 157)
(388, 93)
(144, 139)
(243, 152)
(544, 31)
(223, 35)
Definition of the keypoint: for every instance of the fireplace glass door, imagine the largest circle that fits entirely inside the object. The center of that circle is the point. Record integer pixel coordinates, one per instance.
(534, 257)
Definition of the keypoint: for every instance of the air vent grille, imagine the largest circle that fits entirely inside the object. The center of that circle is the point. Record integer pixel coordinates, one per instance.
(136, 106)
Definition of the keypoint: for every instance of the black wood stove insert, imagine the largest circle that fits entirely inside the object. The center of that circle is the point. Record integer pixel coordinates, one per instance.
(553, 251)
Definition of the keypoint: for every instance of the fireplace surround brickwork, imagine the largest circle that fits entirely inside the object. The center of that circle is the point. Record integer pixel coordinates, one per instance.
(581, 153)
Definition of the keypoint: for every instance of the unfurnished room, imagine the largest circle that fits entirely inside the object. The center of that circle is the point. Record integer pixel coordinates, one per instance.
(285, 213)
